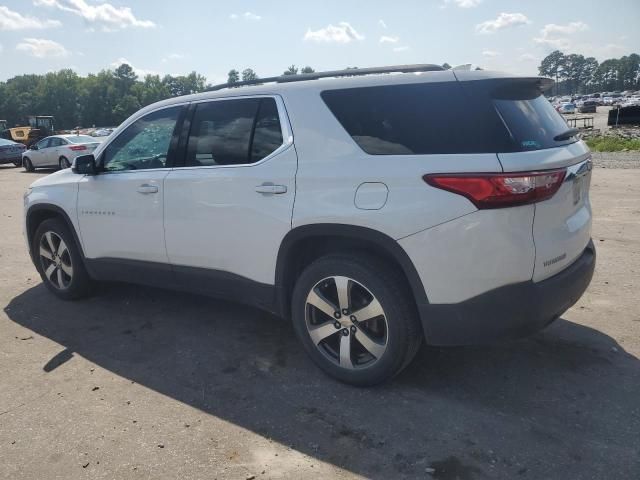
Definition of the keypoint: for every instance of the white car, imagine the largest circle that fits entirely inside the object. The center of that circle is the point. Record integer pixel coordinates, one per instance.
(374, 211)
(57, 151)
(567, 108)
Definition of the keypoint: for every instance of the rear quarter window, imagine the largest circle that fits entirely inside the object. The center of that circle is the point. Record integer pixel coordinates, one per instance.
(415, 119)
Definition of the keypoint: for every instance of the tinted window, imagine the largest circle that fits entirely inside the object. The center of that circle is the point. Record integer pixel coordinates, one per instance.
(44, 143)
(267, 136)
(56, 142)
(429, 118)
(221, 132)
(532, 122)
(143, 144)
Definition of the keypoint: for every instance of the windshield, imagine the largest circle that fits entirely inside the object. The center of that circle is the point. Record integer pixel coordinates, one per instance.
(81, 139)
(532, 122)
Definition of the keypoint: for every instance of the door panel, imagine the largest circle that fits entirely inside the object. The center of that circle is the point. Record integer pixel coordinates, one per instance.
(120, 211)
(117, 220)
(232, 217)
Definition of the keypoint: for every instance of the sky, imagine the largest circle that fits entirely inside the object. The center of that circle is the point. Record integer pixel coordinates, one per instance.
(212, 37)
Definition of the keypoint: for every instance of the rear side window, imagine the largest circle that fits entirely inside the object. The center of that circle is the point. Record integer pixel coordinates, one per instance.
(233, 132)
(532, 122)
(491, 116)
(426, 118)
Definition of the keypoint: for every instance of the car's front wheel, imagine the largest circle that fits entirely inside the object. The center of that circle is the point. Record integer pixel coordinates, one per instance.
(28, 166)
(58, 260)
(355, 318)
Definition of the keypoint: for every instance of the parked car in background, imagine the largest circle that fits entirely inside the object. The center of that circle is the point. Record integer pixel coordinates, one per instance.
(57, 151)
(588, 106)
(11, 152)
(567, 108)
(103, 132)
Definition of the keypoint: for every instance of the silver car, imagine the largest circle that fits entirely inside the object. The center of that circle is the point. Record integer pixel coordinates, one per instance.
(58, 151)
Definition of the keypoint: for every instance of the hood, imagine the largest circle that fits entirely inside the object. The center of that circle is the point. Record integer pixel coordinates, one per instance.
(61, 177)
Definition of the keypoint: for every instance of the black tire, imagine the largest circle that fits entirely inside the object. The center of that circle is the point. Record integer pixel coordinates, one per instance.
(388, 286)
(17, 163)
(80, 283)
(28, 166)
(63, 163)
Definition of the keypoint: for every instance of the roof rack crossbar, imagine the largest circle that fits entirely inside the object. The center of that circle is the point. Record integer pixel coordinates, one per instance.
(349, 72)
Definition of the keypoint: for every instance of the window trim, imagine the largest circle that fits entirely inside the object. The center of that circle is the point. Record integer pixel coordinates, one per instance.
(285, 127)
(173, 144)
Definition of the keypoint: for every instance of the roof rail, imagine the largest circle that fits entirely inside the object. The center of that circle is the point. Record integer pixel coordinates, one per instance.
(349, 72)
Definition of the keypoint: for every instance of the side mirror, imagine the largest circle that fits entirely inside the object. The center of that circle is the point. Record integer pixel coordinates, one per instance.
(33, 147)
(84, 165)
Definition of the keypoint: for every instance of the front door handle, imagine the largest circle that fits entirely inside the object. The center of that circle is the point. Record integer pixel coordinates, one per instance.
(146, 188)
(270, 188)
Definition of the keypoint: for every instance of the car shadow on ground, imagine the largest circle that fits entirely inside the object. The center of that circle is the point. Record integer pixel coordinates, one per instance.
(561, 404)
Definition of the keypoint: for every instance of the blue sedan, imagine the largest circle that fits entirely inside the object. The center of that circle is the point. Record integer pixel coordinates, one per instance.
(11, 152)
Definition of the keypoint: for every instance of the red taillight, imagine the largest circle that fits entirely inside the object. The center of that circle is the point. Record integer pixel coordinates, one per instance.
(498, 190)
(77, 148)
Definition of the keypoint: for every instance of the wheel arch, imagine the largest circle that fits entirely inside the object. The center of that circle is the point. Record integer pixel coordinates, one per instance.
(38, 213)
(304, 244)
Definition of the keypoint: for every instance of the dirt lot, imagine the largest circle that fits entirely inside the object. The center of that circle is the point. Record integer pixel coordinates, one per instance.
(141, 383)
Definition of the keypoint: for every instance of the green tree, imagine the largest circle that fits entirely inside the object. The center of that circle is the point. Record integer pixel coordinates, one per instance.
(233, 76)
(249, 74)
(292, 70)
(307, 69)
(552, 66)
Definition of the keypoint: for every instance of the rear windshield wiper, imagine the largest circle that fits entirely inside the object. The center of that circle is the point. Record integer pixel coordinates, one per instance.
(566, 135)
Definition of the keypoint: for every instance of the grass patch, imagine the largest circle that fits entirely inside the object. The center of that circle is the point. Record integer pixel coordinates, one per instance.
(612, 144)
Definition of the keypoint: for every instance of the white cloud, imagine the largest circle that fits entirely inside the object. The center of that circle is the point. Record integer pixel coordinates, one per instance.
(172, 56)
(1, 48)
(490, 53)
(504, 20)
(246, 16)
(342, 33)
(527, 57)
(402, 48)
(382, 23)
(386, 39)
(465, 3)
(42, 48)
(105, 14)
(10, 20)
(551, 34)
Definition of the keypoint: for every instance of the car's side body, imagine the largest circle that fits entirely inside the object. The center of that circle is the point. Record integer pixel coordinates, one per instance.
(246, 231)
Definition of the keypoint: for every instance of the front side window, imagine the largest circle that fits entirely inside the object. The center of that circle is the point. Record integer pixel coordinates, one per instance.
(144, 144)
(44, 143)
(233, 132)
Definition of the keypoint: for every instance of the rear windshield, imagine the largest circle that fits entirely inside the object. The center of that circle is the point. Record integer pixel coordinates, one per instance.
(81, 139)
(446, 118)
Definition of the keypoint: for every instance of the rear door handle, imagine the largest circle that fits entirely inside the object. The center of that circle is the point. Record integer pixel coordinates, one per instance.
(146, 188)
(270, 188)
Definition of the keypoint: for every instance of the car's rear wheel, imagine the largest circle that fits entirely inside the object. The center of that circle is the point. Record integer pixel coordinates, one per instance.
(355, 318)
(58, 260)
(64, 163)
(17, 163)
(28, 166)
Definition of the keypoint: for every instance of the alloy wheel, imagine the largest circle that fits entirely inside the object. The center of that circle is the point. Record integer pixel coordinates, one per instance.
(346, 322)
(55, 258)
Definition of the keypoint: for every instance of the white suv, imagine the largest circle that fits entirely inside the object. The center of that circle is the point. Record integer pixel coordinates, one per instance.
(375, 208)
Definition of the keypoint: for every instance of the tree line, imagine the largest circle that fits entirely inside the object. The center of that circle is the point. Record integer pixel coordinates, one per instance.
(576, 73)
(103, 99)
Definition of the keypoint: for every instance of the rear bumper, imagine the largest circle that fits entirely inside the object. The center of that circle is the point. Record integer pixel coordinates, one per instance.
(511, 311)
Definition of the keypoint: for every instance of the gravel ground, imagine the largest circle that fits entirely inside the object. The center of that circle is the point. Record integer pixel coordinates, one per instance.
(141, 383)
(616, 159)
